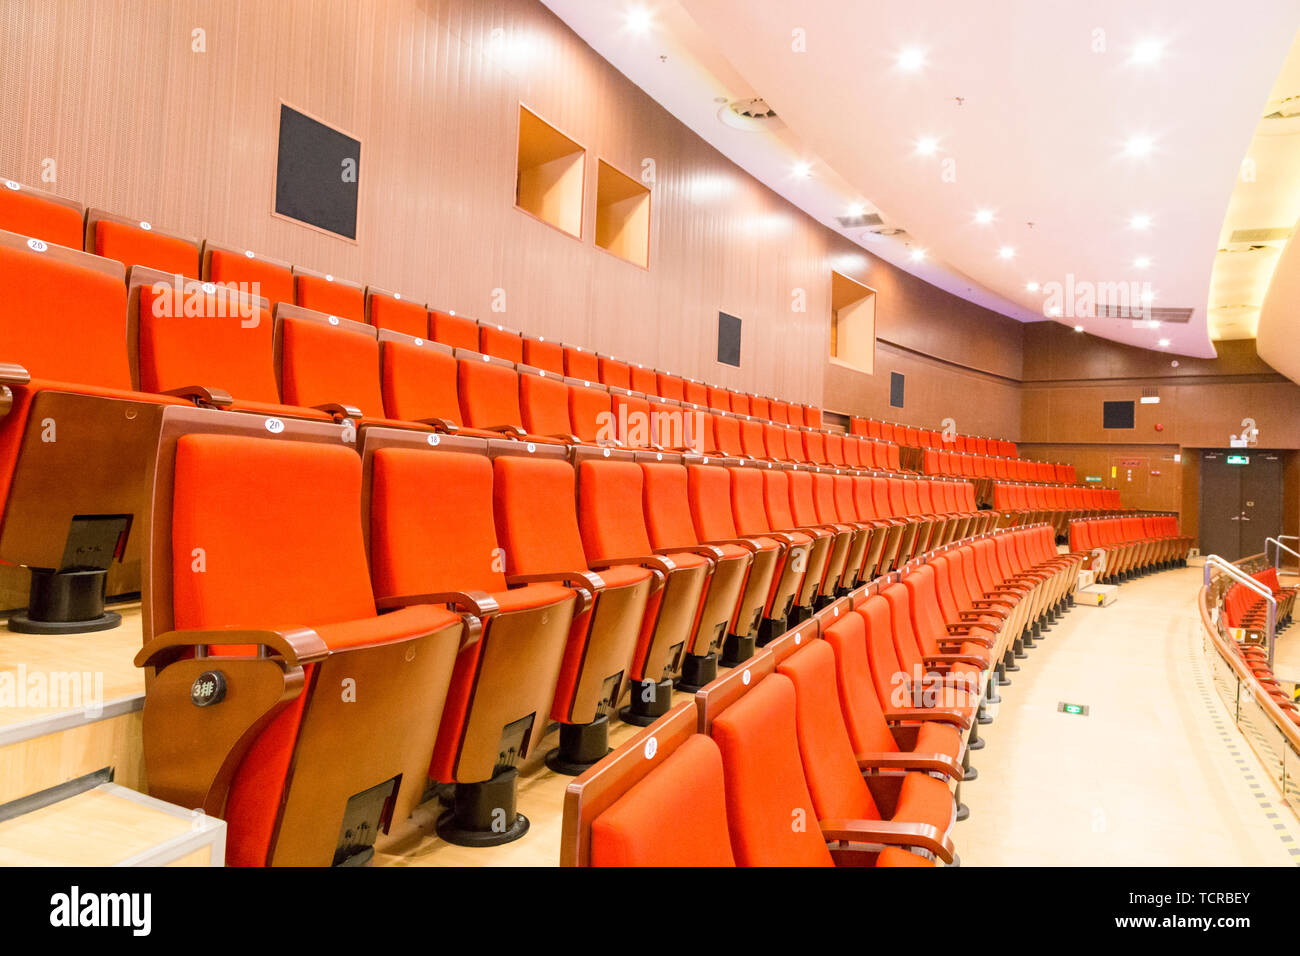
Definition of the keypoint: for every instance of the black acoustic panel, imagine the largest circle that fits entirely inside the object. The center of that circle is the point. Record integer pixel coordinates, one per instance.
(317, 174)
(895, 389)
(728, 339)
(1117, 415)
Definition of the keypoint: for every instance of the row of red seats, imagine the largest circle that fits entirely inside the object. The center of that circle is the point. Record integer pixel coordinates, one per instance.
(911, 437)
(1055, 504)
(53, 219)
(1130, 546)
(1245, 608)
(841, 742)
(934, 462)
(526, 584)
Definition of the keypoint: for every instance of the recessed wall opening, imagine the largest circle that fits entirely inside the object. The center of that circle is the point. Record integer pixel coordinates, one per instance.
(853, 324)
(622, 215)
(550, 175)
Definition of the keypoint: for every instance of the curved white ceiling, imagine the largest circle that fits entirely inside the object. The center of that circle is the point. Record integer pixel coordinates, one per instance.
(1032, 105)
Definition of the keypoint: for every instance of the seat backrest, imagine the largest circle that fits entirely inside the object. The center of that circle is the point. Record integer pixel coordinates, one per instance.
(187, 335)
(590, 413)
(610, 512)
(751, 438)
(421, 542)
(726, 436)
(489, 393)
(139, 243)
(37, 214)
(766, 793)
(392, 311)
(802, 503)
(615, 373)
(739, 403)
(697, 393)
(536, 514)
(760, 408)
(325, 293)
(456, 331)
(544, 404)
(891, 683)
(253, 274)
(774, 442)
(845, 505)
(709, 491)
(747, 502)
(671, 387)
(777, 497)
(666, 504)
(418, 379)
(814, 447)
(863, 717)
(543, 354)
(500, 342)
(645, 381)
(327, 359)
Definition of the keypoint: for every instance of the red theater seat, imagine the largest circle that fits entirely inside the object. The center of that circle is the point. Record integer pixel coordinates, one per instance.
(138, 243)
(390, 311)
(326, 293)
(40, 215)
(252, 274)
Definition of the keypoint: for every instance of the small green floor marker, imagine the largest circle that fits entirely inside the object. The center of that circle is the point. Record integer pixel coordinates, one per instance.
(1078, 709)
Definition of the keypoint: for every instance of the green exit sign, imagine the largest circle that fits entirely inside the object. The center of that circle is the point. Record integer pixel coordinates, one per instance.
(1238, 459)
(1079, 710)
(1093, 478)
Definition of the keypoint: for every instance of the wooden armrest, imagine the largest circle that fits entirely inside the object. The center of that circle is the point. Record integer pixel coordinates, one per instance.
(707, 551)
(441, 425)
(939, 659)
(203, 396)
(943, 715)
(339, 411)
(514, 431)
(11, 373)
(298, 645)
(889, 833)
(938, 763)
(479, 603)
(587, 583)
(745, 543)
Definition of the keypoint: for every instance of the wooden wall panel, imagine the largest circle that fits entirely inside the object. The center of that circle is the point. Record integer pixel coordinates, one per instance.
(1134, 465)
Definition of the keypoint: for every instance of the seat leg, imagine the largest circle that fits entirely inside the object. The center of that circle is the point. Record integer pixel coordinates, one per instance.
(484, 813)
(1009, 660)
(581, 745)
(65, 602)
(737, 650)
(698, 670)
(650, 701)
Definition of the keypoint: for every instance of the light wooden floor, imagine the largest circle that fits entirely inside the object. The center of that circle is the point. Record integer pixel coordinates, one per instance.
(1145, 778)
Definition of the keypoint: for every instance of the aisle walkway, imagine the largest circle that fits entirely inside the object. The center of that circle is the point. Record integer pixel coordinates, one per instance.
(1145, 778)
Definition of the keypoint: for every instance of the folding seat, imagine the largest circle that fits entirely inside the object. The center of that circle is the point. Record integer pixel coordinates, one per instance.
(880, 431)
(930, 463)
(547, 356)
(726, 436)
(825, 544)
(658, 800)
(826, 501)
(331, 364)
(900, 738)
(696, 393)
(544, 405)
(433, 542)
(739, 403)
(671, 387)
(789, 593)
(962, 670)
(760, 408)
(614, 372)
(718, 399)
(751, 438)
(904, 503)
(840, 787)
(883, 550)
(632, 415)
(581, 364)
(207, 343)
(973, 646)
(893, 460)
(69, 417)
(390, 311)
(857, 426)
(611, 488)
(780, 412)
(868, 543)
(500, 342)
(535, 497)
(911, 437)
(834, 443)
(880, 456)
(591, 415)
(329, 295)
(812, 416)
(853, 448)
(41, 215)
(644, 381)
(456, 331)
(418, 382)
(766, 788)
(930, 439)
(812, 504)
(887, 503)
(678, 427)
(774, 442)
(489, 395)
(138, 243)
(243, 716)
(814, 447)
(741, 577)
(252, 274)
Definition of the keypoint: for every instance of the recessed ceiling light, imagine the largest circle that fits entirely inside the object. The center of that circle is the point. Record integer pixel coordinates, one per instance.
(1140, 221)
(1154, 324)
(1031, 286)
(857, 209)
(803, 169)
(1078, 328)
(1054, 311)
(927, 145)
(638, 18)
(1141, 262)
(1148, 51)
(918, 255)
(1148, 297)
(1164, 343)
(984, 217)
(1006, 252)
(1139, 145)
(911, 59)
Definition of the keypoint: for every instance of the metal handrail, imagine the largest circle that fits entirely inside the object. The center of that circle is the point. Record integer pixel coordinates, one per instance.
(1241, 577)
(1277, 558)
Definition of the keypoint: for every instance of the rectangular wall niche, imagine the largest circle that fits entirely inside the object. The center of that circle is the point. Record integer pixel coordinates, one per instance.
(550, 175)
(853, 324)
(728, 339)
(622, 215)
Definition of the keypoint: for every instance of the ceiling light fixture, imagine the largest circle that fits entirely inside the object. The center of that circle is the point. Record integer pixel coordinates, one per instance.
(1141, 262)
(1148, 51)
(1006, 252)
(984, 217)
(638, 19)
(918, 255)
(1078, 328)
(1031, 286)
(911, 59)
(1164, 343)
(803, 169)
(1140, 221)
(927, 145)
(1138, 145)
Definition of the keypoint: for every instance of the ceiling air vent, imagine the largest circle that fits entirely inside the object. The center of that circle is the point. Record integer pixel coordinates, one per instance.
(860, 222)
(1111, 310)
(1281, 234)
(752, 114)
